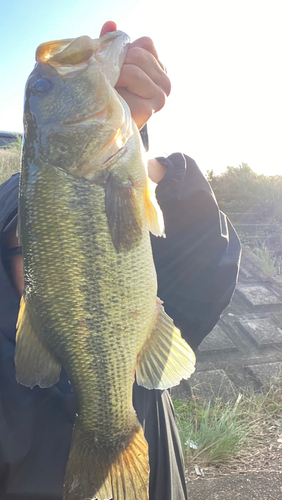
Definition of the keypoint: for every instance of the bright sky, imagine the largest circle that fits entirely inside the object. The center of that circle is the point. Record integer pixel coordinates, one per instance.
(223, 57)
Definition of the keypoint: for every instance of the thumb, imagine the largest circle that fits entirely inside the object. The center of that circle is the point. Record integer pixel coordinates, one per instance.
(108, 27)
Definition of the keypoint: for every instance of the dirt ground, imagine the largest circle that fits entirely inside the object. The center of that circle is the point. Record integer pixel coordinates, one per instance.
(255, 474)
(247, 486)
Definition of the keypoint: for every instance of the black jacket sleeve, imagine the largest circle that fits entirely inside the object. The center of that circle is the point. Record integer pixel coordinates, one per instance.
(197, 263)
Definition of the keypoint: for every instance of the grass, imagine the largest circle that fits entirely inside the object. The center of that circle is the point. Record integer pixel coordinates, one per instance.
(268, 261)
(216, 434)
(10, 160)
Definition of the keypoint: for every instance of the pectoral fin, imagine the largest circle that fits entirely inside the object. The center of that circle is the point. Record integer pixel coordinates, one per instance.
(123, 213)
(154, 214)
(165, 358)
(35, 365)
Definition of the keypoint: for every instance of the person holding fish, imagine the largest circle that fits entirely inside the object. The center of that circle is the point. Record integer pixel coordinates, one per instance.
(89, 311)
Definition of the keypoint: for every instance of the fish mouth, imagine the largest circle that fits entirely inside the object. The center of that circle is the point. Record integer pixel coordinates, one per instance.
(66, 52)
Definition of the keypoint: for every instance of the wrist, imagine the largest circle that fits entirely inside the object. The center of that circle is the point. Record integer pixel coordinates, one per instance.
(156, 170)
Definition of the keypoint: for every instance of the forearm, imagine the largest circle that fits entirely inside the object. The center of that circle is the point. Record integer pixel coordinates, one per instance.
(197, 263)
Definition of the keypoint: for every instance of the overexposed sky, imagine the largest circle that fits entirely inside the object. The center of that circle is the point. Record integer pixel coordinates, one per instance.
(223, 57)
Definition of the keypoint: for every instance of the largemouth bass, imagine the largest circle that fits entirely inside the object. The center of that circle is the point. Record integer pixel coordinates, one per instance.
(89, 302)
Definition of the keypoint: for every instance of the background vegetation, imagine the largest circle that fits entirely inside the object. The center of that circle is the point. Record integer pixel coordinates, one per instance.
(240, 190)
(254, 204)
(232, 431)
(10, 158)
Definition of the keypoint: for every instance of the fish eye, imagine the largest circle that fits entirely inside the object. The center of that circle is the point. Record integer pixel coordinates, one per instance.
(40, 86)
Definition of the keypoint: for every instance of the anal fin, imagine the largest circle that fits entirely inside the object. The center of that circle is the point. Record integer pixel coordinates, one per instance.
(166, 358)
(35, 365)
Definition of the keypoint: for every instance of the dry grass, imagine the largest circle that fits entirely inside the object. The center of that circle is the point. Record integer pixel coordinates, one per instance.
(10, 160)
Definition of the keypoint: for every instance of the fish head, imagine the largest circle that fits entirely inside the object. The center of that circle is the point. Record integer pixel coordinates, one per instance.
(73, 117)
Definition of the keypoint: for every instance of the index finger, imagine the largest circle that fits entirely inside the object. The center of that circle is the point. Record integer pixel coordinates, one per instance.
(108, 27)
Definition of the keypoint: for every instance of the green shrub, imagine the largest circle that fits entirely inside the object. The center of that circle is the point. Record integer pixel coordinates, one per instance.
(239, 189)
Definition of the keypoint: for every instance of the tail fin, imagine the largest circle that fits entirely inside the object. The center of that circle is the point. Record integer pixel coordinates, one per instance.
(95, 474)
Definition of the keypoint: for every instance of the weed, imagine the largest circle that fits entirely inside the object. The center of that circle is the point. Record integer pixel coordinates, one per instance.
(10, 159)
(268, 261)
(265, 404)
(15, 146)
(211, 434)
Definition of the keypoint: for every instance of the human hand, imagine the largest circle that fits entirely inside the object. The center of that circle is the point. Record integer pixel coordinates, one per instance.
(156, 171)
(143, 82)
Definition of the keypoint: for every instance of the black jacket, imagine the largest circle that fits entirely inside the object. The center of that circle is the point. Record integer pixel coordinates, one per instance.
(197, 266)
